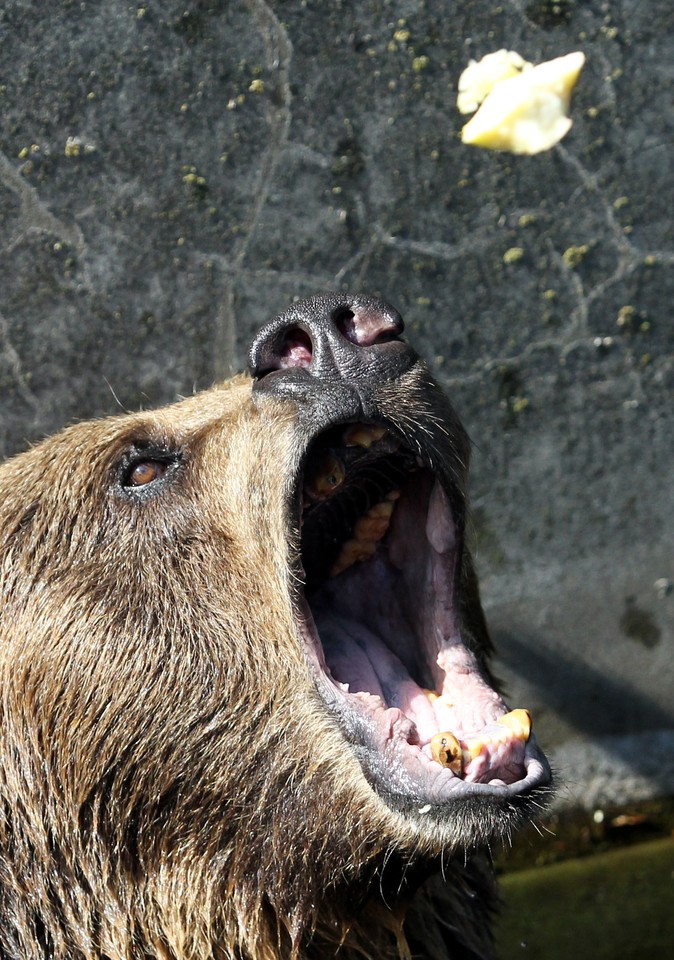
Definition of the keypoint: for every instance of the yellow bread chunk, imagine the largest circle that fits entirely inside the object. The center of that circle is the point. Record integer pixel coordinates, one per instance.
(527, 112)
(481, 76)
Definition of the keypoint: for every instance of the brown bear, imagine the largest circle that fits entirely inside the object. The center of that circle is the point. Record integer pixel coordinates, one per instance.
(246, 706)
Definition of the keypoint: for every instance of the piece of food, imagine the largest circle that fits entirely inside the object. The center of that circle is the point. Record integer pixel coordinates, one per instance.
(524, 107)
(481, 76)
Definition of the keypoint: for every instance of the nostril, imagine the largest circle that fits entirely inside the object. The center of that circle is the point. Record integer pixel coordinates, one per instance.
(292, 347)
(343, 318)
(296, 349)
(367, 324)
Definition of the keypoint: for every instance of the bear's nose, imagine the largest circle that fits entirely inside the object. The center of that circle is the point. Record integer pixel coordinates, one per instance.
(328, 340)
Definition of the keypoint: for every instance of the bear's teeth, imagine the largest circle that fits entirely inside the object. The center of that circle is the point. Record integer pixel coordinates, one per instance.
(362, 435)
(516, 725)
(519, 722)
(367, 532)
(446, 749)
(374, 524)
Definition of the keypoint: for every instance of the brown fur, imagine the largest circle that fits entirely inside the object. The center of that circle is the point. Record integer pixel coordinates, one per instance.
(171, 784)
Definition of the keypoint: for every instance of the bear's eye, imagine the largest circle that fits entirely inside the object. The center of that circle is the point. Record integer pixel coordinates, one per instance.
(140, 474)
(144, 470)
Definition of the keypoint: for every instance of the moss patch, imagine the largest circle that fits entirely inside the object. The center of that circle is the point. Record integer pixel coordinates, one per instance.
(613, 906)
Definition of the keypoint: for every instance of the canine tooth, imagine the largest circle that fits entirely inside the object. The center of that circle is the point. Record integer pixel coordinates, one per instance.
(327, 475)
(393, 495)
(446, 749)
(363, 435)
(519, 721)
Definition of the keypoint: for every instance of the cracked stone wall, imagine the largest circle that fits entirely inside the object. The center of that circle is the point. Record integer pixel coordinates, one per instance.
(173, 173)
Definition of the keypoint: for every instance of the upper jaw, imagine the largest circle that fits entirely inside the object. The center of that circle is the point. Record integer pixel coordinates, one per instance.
(382, 625)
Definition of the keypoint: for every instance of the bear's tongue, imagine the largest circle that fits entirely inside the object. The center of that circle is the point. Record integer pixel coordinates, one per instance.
(357, 658)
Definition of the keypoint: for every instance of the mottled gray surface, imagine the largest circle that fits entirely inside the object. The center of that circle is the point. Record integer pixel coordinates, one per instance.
(616, 769)
(174, 173)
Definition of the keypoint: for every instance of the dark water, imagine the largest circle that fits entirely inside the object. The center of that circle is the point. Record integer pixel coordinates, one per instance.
(613, 906)
(602, 887)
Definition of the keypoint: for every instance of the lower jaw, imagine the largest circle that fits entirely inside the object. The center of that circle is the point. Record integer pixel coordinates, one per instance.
(406, 776)
(412, 784)
(486, 749)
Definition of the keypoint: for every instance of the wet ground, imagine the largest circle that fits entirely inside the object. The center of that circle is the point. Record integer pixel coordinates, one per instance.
(600, 885)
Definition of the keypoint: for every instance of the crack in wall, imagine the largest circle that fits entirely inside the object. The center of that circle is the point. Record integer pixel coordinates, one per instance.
(14, 362)
(35, 216)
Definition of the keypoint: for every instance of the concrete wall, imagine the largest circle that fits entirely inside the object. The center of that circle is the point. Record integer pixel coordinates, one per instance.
(173, 173)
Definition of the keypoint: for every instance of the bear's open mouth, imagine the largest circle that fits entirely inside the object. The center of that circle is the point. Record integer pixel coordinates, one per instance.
(381, 550)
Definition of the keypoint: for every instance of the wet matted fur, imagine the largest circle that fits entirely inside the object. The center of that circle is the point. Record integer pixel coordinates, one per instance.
(188, 771)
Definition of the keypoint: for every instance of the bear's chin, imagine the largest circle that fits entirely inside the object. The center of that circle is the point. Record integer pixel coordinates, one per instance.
(381, 614)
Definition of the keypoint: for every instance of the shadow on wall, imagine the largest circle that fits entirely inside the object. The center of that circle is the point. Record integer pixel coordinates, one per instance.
(596, 705)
